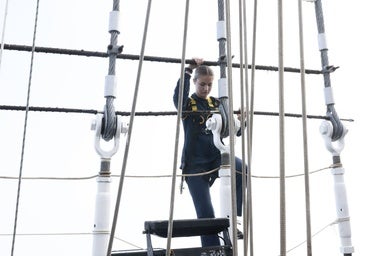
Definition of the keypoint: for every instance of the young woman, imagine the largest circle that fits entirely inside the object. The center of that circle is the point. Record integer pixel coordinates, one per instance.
(199, 154)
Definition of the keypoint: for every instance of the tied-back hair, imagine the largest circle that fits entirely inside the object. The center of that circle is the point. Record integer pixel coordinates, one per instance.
(202, 70)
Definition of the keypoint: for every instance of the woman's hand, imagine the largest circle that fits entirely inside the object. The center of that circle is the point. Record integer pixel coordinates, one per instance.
(197, 61)
(240, 114)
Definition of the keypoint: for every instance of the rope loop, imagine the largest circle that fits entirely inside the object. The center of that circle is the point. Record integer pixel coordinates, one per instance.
(224, 119)
(338, 129)
(97, 125)
(109, 122)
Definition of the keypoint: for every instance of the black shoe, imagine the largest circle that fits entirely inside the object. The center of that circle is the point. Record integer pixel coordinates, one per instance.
(240, 234)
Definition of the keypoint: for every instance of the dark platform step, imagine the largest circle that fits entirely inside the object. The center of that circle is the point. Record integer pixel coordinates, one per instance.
(189, 227)
(185, 228)
(197, 251)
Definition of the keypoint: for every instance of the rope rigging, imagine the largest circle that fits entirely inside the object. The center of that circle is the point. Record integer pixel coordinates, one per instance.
(338, 130)
(147, 58)
(281, 101)
(333, 134)
(304, 132)
(230, 125)
(109, 118)
(24, 130)
(110, 115)
(129, 133)
(3, 31)
(248, 105)
(243, 30)
(164, 176)
(177, 131)
(152, 113)
(107, 126)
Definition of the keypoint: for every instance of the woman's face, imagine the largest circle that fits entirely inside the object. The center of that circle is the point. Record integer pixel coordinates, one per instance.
(203, 86)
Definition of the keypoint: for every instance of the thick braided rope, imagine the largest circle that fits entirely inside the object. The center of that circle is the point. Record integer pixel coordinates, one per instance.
(110, 119)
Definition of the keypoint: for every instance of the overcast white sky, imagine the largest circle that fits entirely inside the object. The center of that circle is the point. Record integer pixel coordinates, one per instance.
(61, 145)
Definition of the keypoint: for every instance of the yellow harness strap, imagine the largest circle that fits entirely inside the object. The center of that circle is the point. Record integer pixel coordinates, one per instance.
(194, 103)
(210, 103)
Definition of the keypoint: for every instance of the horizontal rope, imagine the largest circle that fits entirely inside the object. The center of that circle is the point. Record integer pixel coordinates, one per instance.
(148, 113)
(146, 58)
(68, 234)
(161, 176)
(313, 235)
(139, 247)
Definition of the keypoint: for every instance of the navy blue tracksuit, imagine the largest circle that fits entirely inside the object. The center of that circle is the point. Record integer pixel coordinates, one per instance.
(201, 155)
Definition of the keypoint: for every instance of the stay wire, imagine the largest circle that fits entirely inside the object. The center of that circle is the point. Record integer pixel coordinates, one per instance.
(177, 131)
(250, 105)
(109, 118)
(304, 131)
(161, 175)
(24, 131)
(338, 129)
(3, 31)
(146, 58)
(129, 133)
(282, 165)
(247, 209)
(232, 130)
(243, 94)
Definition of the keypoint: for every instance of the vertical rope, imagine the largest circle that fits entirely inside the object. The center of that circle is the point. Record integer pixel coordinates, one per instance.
(3, 31)
(25, 130)
(331, 112)
(250, 122)
(282, 132)
(223, 58)
(177, 131)
(110, 119)
(243, 44)
(254, 50)
(129, 134)
(304, 131)
(222, 41)
(232, 131)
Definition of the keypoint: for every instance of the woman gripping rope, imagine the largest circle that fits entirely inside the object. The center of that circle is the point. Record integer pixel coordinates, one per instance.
(199, 153)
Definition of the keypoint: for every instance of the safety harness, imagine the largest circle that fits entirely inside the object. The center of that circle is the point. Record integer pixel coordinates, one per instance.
(193, 103)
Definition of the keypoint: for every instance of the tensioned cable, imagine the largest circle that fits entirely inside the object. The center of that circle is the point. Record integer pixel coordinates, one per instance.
(129, 134)
(139, 247)
(162, 175)
(177, 130)
(281, 131)
(250, 106)
(151, 113)
(304, 131)
(109, 124)
(231, 129)
(146, 58)
(24, 131)
(244, 94)
(313, 235)
(338, 129)
(69, 234)
(3, 31)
